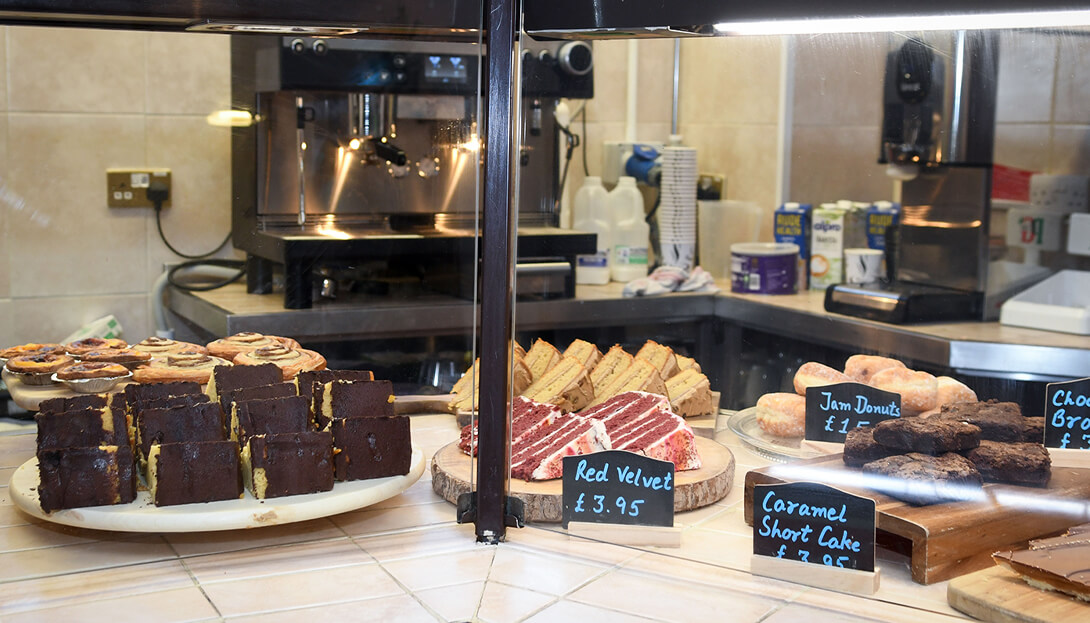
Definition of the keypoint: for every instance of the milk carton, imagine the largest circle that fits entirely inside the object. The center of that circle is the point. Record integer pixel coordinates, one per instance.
(880, 217)
(827, 246)
(791, 224)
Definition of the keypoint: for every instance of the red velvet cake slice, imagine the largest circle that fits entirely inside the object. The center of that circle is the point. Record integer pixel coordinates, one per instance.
(527, 416)
(643, 423)
(543, 450)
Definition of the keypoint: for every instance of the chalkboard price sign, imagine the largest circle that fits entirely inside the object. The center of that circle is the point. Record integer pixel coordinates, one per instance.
(814, 523)
(833, 410)
(620, 487)
(1067, 415)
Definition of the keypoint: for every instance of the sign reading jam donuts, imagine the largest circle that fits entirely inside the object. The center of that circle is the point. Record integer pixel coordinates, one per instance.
(1067, 415)
(617, 486)
(814, 523)
(833, 410)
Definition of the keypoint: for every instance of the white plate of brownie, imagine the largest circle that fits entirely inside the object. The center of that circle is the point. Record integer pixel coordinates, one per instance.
(141, 515)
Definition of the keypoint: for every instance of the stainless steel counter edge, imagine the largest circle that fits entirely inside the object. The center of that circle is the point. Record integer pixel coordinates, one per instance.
(447, 315)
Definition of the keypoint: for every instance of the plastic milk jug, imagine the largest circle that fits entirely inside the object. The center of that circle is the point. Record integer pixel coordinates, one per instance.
(631, 233)
(591, 214)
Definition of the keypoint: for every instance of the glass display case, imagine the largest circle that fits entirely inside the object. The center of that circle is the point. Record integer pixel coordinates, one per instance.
(585, 256)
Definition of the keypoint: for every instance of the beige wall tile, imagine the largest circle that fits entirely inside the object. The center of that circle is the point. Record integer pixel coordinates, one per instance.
(730, 80)
(1027, 65)
(371, 521)
(747, 155)
(508, 603)
(7, 334)
(199, 157)
(52, 318)
(3, 68)
(74, 558)
(830, 163)
(1070, 150)
(76, 70)
(188, 73)
(6, 206)
(454, 603)
(181, 604)
(1023, 145)
(420, 542)
(610, 82)
(191, 544)
(655, 82)
(60, 176)
(547, 574)
(1073, 80)
(838, 78)
(72, 589)
(443, 570)
(256, 563)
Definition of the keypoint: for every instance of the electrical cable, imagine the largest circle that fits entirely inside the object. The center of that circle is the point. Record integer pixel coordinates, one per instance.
(224, 263)
(158, 193)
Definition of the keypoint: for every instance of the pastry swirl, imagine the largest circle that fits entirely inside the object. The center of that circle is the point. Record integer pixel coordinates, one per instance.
(161, 346)
(79, 347)
(184, 366)
(92, 370)
(231, 346)
(291, 361)
(127, 356)
(45, 363)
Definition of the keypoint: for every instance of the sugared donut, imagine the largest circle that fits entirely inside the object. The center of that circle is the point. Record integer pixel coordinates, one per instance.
(782, 414)
(952, 390)
(919, 390)
(814, 374)
(862, 367)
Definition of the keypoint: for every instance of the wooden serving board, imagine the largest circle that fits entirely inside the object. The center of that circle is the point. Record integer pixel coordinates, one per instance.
(955, 538)
(452, 470)
(1000, 596)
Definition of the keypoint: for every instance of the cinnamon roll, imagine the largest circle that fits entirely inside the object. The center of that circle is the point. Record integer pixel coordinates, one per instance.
(161, 347)
(125, 356)
(290, 360)
(231, 346)
(184, 366)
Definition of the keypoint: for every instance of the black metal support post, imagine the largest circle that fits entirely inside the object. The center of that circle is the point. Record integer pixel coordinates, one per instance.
(497, 270)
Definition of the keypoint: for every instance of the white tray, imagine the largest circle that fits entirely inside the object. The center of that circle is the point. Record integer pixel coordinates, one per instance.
(142, 515)
(1059, 303)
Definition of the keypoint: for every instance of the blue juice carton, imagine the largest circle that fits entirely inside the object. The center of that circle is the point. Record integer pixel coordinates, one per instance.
(881, 216)
(791, 223)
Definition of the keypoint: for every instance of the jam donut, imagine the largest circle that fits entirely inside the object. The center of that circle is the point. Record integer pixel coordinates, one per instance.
(862, 367)
(231, 346)
(124, 356)
(161, 347)
(919, 390)
(290, 360)
(92, 370)
(782, 414)
(77, 348)
(186, 366)
(952, 390)
(32, 348)
(813, 374)
(45, 363)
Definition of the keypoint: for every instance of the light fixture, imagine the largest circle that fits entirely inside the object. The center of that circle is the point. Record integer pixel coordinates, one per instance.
(900, 23)
(230, 119)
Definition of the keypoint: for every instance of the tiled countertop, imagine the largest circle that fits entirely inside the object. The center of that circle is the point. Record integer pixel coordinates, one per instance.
(406, 559)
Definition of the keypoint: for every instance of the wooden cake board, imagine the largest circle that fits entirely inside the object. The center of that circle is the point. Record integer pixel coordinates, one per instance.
(954, 538)
(452, 469)
(1001, 596)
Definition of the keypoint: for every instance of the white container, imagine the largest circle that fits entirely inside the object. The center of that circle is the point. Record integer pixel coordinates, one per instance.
(1059, 303)
(631, 234)
(591, 214)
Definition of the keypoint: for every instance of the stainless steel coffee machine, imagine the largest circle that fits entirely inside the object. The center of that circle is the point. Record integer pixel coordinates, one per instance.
(364, 153)
(938, 132)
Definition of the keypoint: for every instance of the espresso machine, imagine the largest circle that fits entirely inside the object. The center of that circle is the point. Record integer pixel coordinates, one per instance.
(938, 132)
(361, 165)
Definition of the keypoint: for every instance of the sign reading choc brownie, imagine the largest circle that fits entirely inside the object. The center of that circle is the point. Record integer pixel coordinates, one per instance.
(620, 487)
(1067, 415)
(833, 410)
(814, 523)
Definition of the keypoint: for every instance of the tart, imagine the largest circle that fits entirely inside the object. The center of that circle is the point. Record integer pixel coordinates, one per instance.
(161, 347)
(38, 369)
(31, 348)
(124, 356)
(79, 347)
(234, 345)
(184, 366)
(92, 377)
(291, 361)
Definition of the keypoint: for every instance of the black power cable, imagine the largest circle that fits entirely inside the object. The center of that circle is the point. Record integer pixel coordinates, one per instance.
(158, 193)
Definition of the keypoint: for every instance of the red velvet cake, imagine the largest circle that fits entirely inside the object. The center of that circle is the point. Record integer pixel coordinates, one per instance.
(527, 416)
(643, 423)
(541, 452)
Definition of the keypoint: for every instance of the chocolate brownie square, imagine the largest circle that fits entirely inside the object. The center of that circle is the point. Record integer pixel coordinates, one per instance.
(307, 381)
(860, 447)
(275, 390)
(203, 422)
(1033, 429)
(927, 435)
(998, 421)
(270, 416)
(1016, 463)
(226, 378)
(288, 464)
(81, 428)
(90, 476)
(194, 471)
(343, 399)
(73, 403)
(151, 391)
(371, 447)
(925, 479)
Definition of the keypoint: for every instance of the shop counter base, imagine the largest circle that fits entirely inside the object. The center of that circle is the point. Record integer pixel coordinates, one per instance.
(999, 595)
(954, 538)
(452, 472)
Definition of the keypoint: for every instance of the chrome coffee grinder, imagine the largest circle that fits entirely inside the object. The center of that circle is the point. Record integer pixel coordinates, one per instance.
(938, 133)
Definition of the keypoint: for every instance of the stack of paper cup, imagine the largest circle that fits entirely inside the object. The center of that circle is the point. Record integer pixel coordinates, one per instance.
(677, 207)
